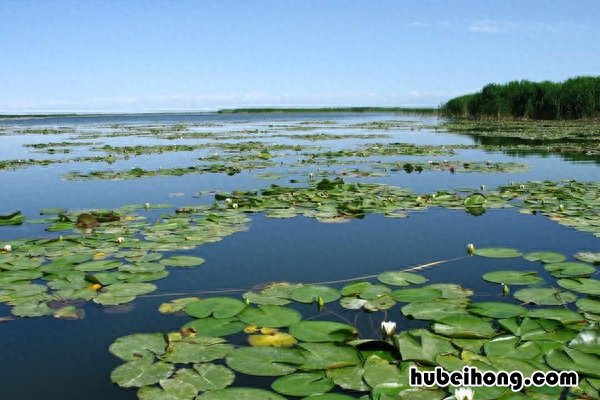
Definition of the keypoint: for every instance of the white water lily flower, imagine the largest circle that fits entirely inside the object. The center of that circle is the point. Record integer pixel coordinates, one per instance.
(470, 248)
(234, 205)
(463, 393)
(7, 248)
(146, 205)
(388, 327)
(120, 239)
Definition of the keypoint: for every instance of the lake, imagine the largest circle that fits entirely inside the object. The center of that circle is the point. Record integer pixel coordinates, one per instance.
(53, 358)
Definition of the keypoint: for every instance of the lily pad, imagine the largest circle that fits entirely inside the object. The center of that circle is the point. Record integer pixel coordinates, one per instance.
(217, 307)
(400, 278)
(581, 285)
(569, 269)
(498, 252)
(545, 296)
(496, 309)
(310, 294)
(322, 331)
(265, 361)
(240, 393)
(183, 261)
(463, 326)
(216, 326)
(545, 257)
(302, 384)
(513, 277)
(141, 372)
(270, 316)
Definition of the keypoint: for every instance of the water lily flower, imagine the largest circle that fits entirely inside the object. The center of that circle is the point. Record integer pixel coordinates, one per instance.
(146, 205)
(120, 240)
(463, 393)
(388, 328)
(7, 248)
(228, 200)
(470, 248)
(235, 205)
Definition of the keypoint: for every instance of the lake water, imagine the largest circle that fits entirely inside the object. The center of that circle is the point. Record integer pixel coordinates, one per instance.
(48, 358)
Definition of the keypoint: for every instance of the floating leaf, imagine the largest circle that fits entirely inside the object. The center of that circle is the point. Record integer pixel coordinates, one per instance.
(569, 269)
(270, 316)
(545, 296)
(581, 285)
(309, 293)
(496, 309)
(217, 307)
(141, 372)
(463, 326)
(513, 277)
(498, 252)
(415, 294)
(239, 393)
(545, 257)
(322, 331)
(182, 261)
(302, 384)
(138, 345)
(216, 326)
(265, 361)
(401, 278)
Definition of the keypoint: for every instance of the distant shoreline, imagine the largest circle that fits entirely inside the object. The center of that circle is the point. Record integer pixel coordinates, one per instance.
(269, 110)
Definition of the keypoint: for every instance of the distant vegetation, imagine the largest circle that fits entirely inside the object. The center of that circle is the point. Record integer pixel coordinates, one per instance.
(328, 109)
(572, 99)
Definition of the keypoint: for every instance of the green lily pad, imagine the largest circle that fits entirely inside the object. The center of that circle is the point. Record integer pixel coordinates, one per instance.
(217, 307)
(435, 309)
(141, 372)
(326, 356)
(494, 309)
(216, 326)
(545, 257)
(183, 261)
(240, 393)
(322, 331)
(545, 296)
(138, 345)
(558, 314)
(588, 256)
(265, 361)
(270, 316)
(498, 252)
(581, 285)
(400, 278)
(589, 305)
(196, 350)
(172, 389)
(302, 384)
(422, 346)
(310, 293)
(15, 218)
(206, 377)
(411, 295)
(513, 277)
(569, 269)
(463, 326)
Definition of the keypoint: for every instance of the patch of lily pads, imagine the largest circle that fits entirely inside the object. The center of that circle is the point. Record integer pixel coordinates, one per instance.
(323, 355)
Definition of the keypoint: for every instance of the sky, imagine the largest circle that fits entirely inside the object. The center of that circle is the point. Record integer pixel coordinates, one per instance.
(138, 56)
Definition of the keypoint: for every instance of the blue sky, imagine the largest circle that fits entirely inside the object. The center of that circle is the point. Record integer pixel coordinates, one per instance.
(187, 55)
